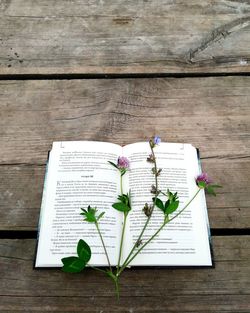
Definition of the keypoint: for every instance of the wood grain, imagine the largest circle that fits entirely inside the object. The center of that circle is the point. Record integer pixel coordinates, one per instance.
(195, 36)
(211, 113)
(223, 289)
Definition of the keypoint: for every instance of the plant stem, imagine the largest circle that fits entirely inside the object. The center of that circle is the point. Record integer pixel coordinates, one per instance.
(123, 227)
(166, 221)
(97, 269)
(122, 238)
(121, 184)
(171, 219)
(147, 242)
(117, 288)
(149, 217)
(98, 229)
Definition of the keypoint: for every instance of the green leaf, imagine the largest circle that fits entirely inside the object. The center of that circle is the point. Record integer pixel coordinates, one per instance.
(90, 214)
(122, 207)
(124, 199)
(159, 203)
(216, 186)
(73, 264)
(100, 216)
(171, 207)
(83, 251)
(210, 190)
(113, 164)
(166, 205)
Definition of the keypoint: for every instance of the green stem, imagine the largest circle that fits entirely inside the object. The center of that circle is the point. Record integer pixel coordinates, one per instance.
(171, 219)
(166, 221)
(149, 217)
(97, 269)
(121, 184)
(123, 228)
(147, 242)
(122, 238)
(117, 288)
(104, 247)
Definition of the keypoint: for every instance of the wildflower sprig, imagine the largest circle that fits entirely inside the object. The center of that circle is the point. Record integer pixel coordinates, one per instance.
(147, 209)
(167, 202)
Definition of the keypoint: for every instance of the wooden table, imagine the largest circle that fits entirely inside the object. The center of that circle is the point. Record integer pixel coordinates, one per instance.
(122, 71)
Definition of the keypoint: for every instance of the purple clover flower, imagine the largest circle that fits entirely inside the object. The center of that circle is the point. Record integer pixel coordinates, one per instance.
(123, 163)
(203, 178)
(157, 140)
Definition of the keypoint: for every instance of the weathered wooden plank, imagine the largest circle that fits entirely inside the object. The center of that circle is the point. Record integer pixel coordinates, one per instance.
(124, 36)
(212, 114)
(21, 190)
(223, 289)
(177, 303)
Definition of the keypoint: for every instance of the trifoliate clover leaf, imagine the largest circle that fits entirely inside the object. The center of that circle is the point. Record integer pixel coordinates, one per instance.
(73, 264)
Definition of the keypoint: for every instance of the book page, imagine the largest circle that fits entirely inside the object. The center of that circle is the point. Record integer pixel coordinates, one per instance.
(185, 240)
(79, 175)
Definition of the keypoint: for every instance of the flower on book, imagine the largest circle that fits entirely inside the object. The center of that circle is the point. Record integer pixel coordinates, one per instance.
(168, 202)
(122, 164)
(203, 181)
(157, 140)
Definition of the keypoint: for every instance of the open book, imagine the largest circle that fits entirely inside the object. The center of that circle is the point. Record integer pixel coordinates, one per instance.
(78, 174)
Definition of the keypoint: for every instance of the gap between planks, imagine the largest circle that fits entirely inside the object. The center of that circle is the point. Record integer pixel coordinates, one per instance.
(32, 234)
(73, 76)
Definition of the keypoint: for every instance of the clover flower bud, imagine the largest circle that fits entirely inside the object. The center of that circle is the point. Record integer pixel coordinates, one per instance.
(123, 163)
(203, 180)
(151, 158)
(153, 190)
(148, 209)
